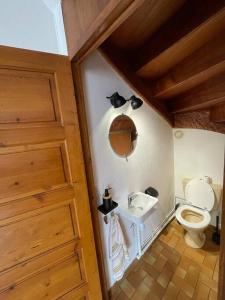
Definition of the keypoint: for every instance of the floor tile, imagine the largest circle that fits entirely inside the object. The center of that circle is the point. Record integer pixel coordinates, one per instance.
(141, 292)
(202, 292)
(172, 270)
(172, 292)
(136, 278)
(165, 276)
(212, 284)
(184, 286)
(127, 288)
(122, 296)
(192, 276)
(183, 296)
(210, 261)
(180, 272)
(160, 263)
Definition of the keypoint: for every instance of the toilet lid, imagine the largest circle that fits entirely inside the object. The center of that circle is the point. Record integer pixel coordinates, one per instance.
(200, 194)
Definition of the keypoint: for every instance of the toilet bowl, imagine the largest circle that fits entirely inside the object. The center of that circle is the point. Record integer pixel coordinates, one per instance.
(194, 215)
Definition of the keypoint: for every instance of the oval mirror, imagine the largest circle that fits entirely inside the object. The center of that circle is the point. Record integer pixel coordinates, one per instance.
(123, 135)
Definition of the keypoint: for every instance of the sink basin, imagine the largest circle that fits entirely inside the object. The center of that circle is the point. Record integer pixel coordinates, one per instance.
(140, 209)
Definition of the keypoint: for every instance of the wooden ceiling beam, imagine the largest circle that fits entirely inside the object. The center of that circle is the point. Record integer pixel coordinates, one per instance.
(197, 68)
(119, 62)
(206, 95)
(89, 23)
(194, 25)
(144, 22)
(217, 113)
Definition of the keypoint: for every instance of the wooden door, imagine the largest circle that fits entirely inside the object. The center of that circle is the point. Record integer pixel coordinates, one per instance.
(46, 241)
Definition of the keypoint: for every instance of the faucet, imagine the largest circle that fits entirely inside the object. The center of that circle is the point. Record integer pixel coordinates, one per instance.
(130, 199)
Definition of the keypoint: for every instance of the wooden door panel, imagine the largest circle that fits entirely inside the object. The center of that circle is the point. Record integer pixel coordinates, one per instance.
(48, 284)
(11, 136)
(23, 271)
(73, 295)
(30, 171)
(38, 201)
(79, 294)
(46, 241)
(29, 237)
(26, 96)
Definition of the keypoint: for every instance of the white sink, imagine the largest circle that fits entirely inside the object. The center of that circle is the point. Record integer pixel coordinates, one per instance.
(140, 208)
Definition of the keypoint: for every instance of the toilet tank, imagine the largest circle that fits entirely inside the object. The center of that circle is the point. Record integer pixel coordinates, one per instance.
(217, 188)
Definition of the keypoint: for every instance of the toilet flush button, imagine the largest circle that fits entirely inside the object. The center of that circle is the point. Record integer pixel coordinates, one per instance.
(206, 179)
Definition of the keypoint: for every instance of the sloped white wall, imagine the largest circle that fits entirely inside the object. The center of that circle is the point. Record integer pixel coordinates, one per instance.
(31, 24)
(151, 163)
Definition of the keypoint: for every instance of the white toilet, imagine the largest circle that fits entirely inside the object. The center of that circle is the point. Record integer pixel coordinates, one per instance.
(194, 215)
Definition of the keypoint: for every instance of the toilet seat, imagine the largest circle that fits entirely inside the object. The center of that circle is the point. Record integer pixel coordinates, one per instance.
(204, 213)
(199, 194)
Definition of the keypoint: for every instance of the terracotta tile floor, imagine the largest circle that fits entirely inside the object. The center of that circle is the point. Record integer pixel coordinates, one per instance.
(172, 270)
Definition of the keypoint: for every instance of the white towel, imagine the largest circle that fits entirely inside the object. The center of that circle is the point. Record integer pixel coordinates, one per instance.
(117, 248)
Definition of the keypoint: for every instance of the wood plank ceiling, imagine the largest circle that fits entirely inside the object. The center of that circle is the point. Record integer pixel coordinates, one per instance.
(173, 54)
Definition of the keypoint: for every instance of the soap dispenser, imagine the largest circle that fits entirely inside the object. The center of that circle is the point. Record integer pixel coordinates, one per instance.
(107, 199)
(108, 204)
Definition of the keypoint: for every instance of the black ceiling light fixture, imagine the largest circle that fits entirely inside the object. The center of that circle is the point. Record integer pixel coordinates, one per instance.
(118, 101)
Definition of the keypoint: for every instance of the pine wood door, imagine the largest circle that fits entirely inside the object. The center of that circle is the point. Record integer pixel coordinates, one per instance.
(46, 241)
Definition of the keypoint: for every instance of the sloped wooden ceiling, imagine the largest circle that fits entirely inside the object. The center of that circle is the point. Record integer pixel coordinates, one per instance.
(173, 54)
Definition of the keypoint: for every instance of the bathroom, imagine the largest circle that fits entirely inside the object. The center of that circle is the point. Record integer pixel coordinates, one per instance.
(112, 123)
(162, 158)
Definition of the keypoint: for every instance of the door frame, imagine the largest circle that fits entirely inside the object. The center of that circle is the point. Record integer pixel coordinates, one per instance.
(82, 118)
(221, 288)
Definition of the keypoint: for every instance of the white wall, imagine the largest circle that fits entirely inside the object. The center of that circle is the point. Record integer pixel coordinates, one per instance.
(32, 24)
(152, 161)
(198, 153)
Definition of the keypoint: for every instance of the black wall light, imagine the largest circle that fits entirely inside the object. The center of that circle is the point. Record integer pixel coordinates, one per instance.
(118, 101)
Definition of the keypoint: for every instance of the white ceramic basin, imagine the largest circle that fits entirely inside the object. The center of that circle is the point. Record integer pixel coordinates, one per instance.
(140, 209)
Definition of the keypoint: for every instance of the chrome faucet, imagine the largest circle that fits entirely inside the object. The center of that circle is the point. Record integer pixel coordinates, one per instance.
(130, 199)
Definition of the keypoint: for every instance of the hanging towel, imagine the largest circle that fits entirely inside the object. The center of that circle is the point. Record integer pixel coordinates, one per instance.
(117, 248)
